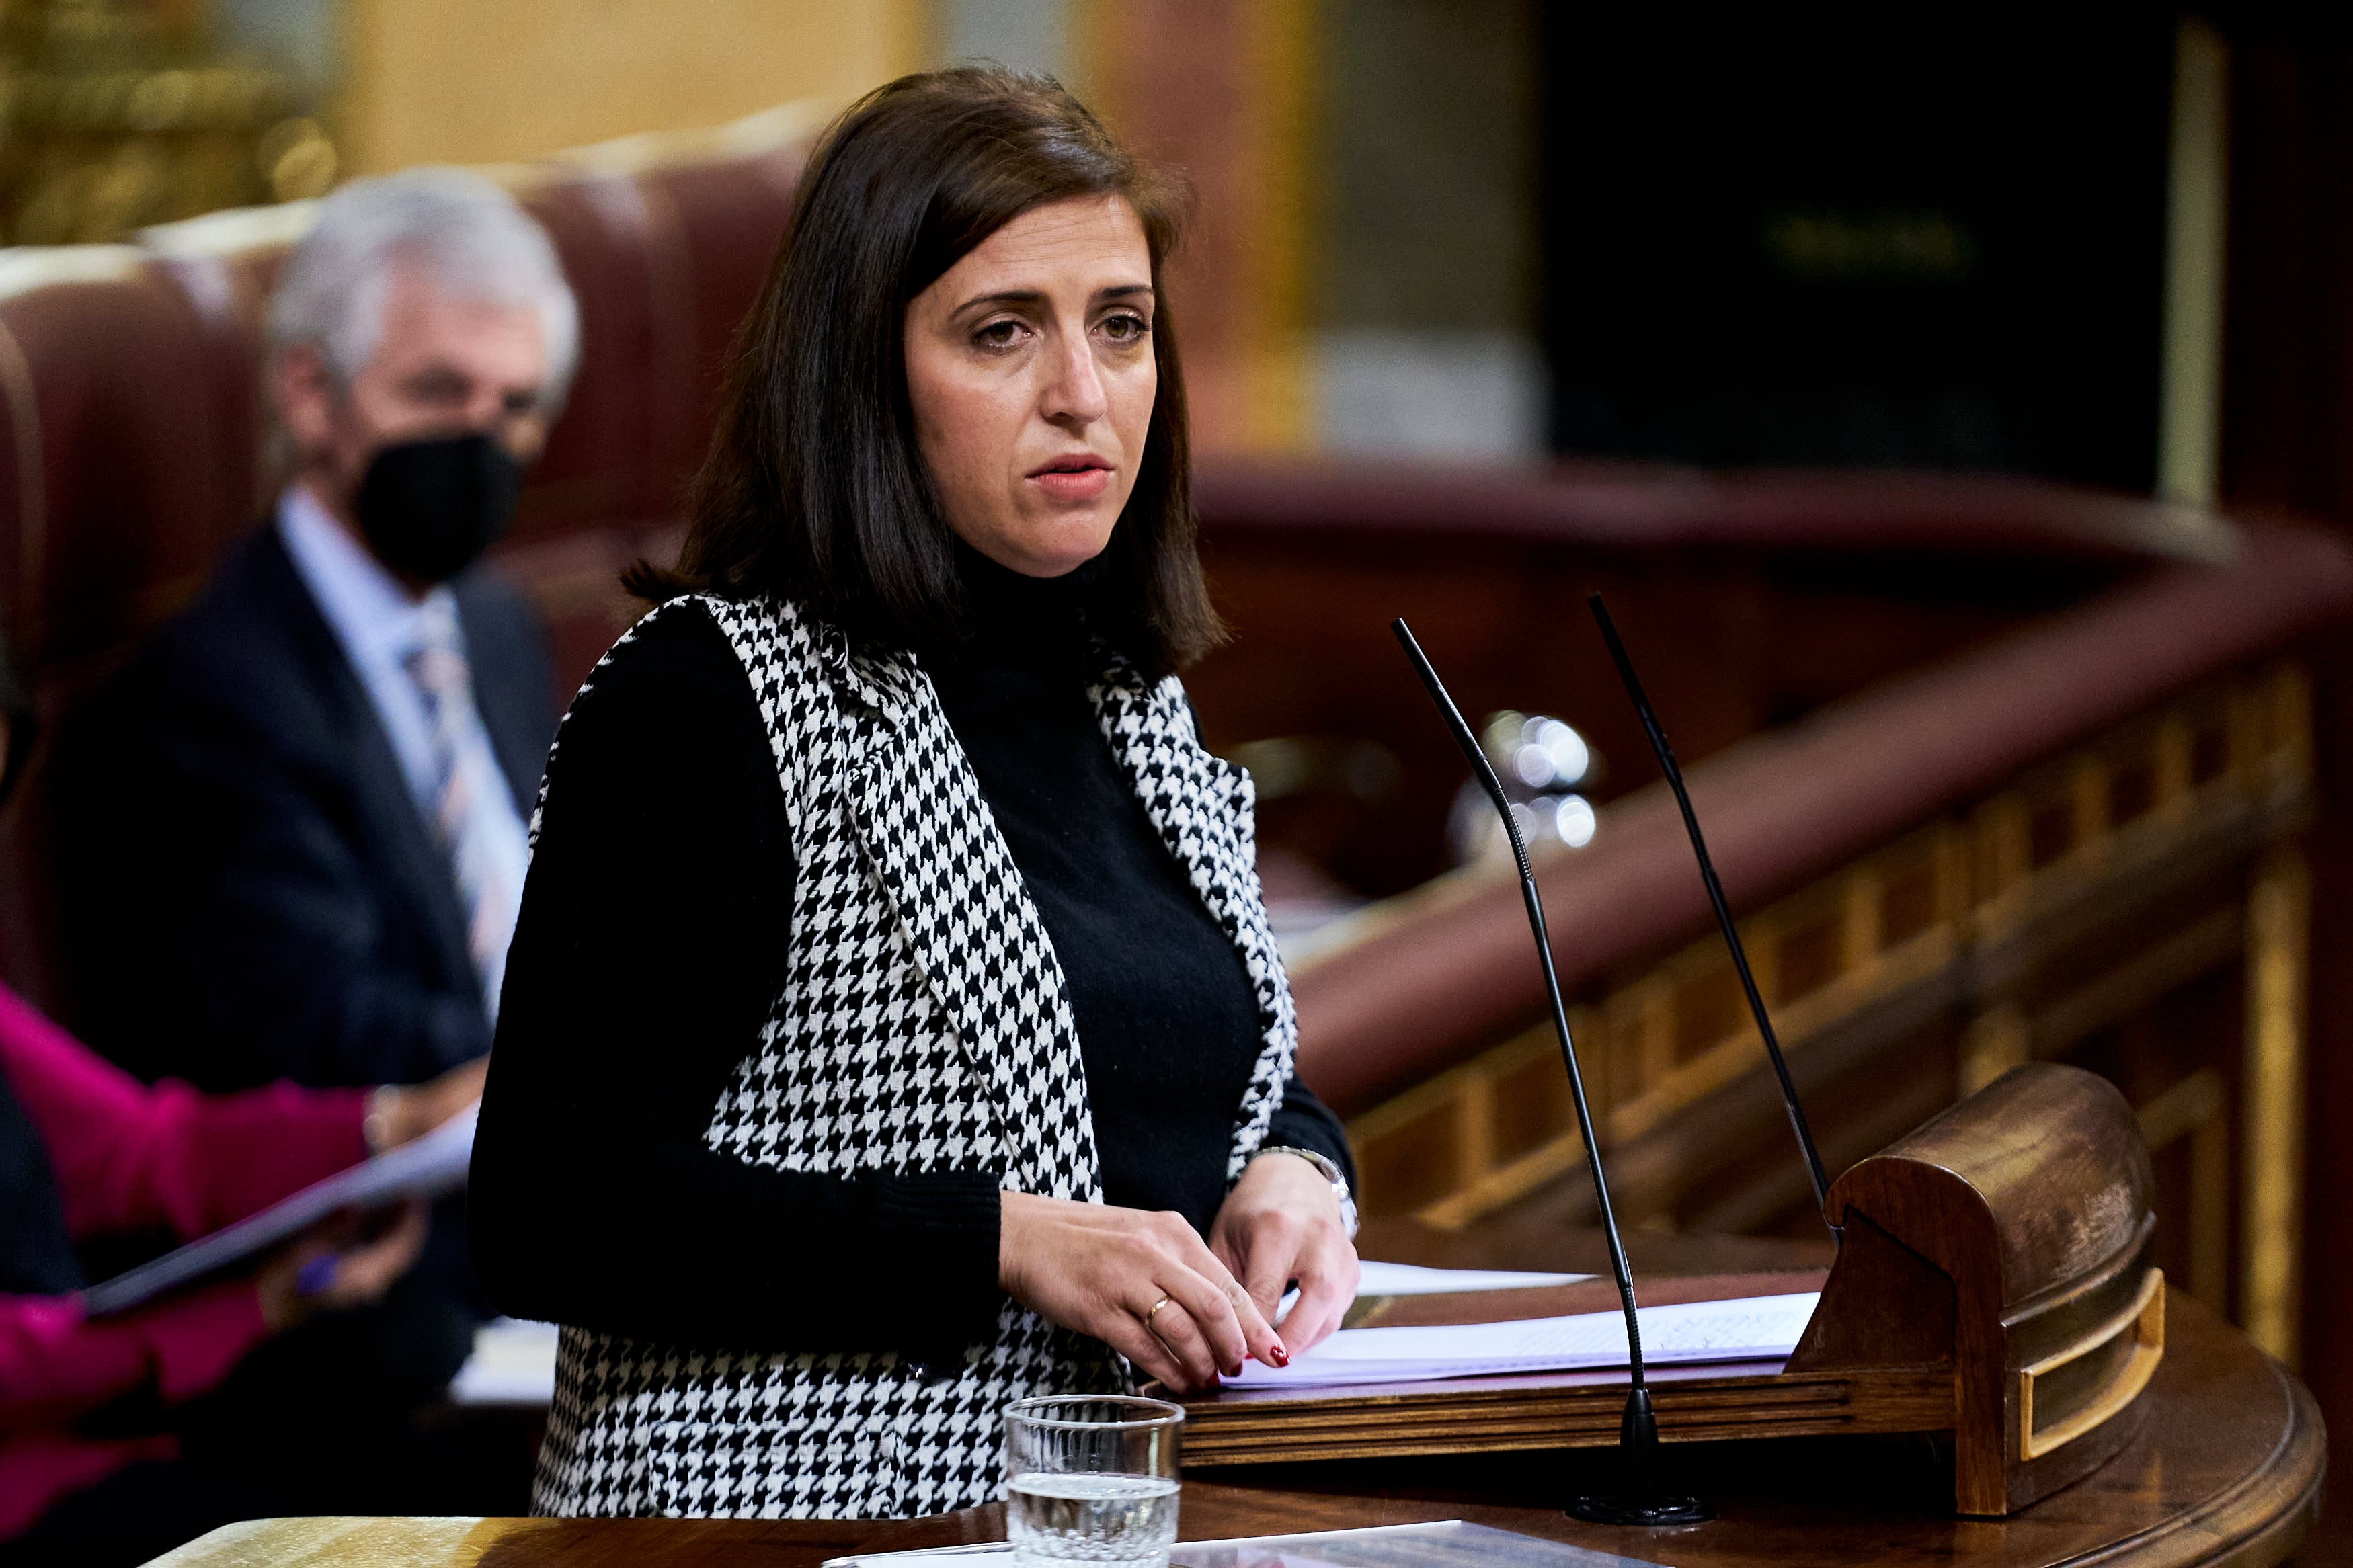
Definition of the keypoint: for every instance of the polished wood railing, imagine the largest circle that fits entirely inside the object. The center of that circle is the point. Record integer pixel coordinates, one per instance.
(2078, 843)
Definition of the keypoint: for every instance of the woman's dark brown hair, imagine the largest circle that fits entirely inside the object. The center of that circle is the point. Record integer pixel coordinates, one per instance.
(814, 488)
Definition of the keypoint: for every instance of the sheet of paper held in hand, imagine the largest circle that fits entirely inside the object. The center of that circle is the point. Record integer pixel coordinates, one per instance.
(425, 1168)
(1754, 1328)
(1447, 1543)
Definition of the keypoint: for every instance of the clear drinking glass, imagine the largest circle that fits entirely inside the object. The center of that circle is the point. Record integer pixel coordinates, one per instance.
(1092, 1478)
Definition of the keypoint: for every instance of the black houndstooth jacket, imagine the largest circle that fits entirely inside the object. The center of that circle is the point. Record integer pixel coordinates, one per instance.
(923, 1027)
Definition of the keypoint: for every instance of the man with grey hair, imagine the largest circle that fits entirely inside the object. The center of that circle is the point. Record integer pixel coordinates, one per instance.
(323, 769)
(292, 835)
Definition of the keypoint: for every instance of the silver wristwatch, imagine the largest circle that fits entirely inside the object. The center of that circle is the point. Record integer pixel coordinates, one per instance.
(1331, 1172)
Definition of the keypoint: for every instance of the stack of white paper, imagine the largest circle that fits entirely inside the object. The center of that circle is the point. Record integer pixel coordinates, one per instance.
(514, 1363)
(1755, 1328)
(1412, 1280)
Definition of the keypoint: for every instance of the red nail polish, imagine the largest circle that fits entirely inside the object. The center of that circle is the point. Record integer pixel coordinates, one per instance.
(1282, 1357)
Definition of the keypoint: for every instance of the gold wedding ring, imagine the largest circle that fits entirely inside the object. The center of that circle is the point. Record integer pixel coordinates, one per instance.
(1154, 1313)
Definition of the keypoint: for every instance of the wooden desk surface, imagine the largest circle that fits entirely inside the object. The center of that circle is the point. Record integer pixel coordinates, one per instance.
(2227, 1471)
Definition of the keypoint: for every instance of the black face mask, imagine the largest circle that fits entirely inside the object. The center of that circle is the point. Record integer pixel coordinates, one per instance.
(429, 508)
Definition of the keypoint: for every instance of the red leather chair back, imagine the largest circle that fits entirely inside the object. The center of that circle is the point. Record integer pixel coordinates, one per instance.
(123, 473)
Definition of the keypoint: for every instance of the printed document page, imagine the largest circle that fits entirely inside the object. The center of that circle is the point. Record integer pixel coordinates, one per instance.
(1754, 1328)
(1412, 1280)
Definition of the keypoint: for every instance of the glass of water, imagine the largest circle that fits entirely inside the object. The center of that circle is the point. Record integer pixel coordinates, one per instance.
(1092, 1478)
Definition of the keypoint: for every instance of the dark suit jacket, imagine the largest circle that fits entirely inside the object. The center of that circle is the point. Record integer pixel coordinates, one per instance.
(251, 892)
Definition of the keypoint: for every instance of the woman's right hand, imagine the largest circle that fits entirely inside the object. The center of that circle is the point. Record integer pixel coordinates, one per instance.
(328, 1270)
(1101, 1271)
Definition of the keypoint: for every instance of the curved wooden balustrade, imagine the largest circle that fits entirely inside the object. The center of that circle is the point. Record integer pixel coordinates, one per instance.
(1445, 967)
(1654, 510)
(1989, 860)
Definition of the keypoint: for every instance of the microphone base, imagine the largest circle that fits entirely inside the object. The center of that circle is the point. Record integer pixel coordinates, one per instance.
(1645, 1513)
(1639, 1499)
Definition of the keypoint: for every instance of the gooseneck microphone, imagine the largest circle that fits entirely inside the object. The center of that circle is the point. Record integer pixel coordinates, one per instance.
(1723, 911)
(1635, 1502)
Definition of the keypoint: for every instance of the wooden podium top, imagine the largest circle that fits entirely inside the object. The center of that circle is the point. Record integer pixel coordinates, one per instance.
(2228, 1471)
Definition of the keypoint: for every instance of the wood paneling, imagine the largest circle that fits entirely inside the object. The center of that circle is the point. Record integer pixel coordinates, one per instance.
(1924, 969)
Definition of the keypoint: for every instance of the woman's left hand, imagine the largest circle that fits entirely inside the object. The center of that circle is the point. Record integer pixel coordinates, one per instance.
(1281, 1223)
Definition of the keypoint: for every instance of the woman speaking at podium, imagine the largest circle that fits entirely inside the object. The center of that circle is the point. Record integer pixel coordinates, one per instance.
(892, 1029)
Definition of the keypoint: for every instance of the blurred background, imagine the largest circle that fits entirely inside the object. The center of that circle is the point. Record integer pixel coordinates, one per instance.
(1955, 401)
(1956, 238)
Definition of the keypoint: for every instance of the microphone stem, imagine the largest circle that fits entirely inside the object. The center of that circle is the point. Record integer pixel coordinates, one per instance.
(1485, 772)
(1618, 1265)
(1666, 756)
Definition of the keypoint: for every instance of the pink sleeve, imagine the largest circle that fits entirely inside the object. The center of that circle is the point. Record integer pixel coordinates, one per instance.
(55, 1363)
(129, 1157)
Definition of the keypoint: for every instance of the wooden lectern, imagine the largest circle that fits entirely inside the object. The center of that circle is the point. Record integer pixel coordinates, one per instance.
(1995, 1284)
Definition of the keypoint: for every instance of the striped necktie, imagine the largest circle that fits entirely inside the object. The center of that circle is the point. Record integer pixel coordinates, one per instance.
(487, 866)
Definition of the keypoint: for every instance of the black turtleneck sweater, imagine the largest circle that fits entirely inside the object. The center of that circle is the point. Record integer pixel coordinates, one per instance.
(652, 945)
